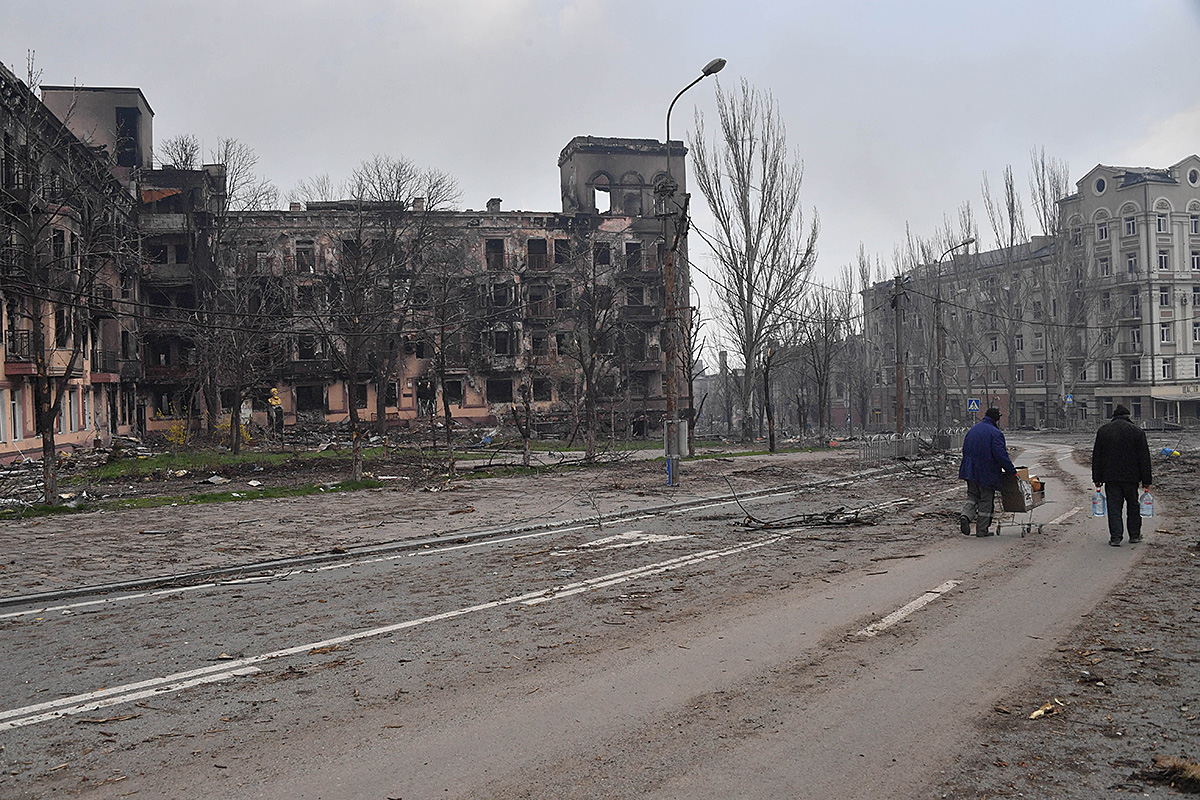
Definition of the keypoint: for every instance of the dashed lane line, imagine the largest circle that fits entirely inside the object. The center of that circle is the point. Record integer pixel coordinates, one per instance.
(906, 610)
(88, 701)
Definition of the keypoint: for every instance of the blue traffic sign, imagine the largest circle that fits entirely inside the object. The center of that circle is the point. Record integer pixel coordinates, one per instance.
(1070, 399)
(972, 404)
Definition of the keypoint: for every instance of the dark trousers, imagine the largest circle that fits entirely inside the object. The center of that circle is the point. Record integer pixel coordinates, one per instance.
(1117, 495)
(980, 503)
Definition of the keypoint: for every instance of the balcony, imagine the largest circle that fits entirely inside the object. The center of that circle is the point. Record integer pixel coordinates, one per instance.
(641, 313)
(1129, 347)
(21, 347)
(105, 361)
(309, 368)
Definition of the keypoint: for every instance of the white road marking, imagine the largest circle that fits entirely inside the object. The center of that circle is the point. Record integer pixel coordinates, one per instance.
(79, 703)
(620, 540)
(902, 612)
(1065, 516)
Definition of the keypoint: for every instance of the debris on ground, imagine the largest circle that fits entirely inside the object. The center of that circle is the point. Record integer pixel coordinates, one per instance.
(1048, 709)
(1181, 774)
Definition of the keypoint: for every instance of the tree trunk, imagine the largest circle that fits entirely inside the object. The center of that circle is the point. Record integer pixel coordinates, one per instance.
(451, 468)
(235, 423)
(768, 409)
(49, 460)
(356, 454)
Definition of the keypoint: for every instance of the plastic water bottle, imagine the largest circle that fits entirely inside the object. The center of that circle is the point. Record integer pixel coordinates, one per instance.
(1146, 504)
(1099, 505)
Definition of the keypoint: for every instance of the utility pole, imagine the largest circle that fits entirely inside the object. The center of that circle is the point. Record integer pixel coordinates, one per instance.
(897, 292)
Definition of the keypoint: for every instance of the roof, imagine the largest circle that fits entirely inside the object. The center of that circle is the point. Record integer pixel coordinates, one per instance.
(113, 89)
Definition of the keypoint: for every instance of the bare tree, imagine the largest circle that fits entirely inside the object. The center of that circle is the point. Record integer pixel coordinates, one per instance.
(180, 152)
(691, 358)
(319, 188)
(1007, 294)
(763, 249)
(66, 237)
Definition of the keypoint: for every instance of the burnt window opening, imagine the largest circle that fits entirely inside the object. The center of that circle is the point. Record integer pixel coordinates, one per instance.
(262, 259)
(539, 344)
(635, 295)
(157, 253)
(499, 390)
(562, 344)
(352, 250)
(542, 388)
(310, 398)
(537, 253)
(127, 349)
(631, 204)
(391, 394)
(502, 295)
(502, 343)
(308, 347)
(59, 245)
(306, 297)
(562, 252)
(182, 254)
(493, 254)
(452, 390)
(306, 257)
(541, 301)
(127, 136)
(562, 296)
(360, 395)
(602, 254)
(633, 255)
(601, 195)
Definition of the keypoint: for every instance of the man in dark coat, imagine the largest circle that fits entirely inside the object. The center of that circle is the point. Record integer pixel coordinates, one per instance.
(985, 459)
(1120, 461)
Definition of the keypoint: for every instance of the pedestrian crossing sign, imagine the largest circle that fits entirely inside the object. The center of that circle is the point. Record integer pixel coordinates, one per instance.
(972, 404)
(1070, 399)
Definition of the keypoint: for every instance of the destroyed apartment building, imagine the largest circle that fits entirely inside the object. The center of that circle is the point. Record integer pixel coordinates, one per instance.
(406, 311)
(395, 312)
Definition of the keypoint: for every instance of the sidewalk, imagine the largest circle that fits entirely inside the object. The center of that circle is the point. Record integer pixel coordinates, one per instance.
(60, 554)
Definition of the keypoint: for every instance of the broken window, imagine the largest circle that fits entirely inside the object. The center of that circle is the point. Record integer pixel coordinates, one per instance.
(308, 347)
(602, 254)
(499, 390)
(501, 295)
(493, 252)
(452, 390)
(127, 136)
(633, 255)
(539, 343)
(157, 253)
(601, 194)
(562, 252)
(562, 344)
(182, 254)
(537, 254)
(306, 297)
(391, 394)
(310, 398)
(360, 395)
(306, 258)
(562, 296)
(542, 390)
(541, 302)
(502, 343)
(635, 295)
(62, 327)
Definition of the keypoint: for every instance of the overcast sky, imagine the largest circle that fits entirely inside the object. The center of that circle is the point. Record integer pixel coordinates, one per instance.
(897, 108)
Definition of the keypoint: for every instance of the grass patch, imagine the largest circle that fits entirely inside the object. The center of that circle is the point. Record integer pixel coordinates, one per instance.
(191, 500)
(199, 461)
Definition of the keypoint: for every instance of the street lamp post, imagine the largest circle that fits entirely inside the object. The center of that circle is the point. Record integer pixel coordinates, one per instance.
(940, 440)
(671, 233)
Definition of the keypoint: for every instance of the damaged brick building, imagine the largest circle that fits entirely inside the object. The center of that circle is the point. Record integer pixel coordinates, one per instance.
(482, 310)
(399, 311)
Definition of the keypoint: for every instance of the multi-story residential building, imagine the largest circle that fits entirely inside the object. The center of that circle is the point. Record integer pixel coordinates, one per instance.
(472, 310)
(67, 250)
(1057, 331)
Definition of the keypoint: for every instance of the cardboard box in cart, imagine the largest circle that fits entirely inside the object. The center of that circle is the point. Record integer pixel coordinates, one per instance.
(1022, 492)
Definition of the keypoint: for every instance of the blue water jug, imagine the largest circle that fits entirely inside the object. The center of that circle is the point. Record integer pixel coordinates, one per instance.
(1099, 505)
(1146, 504)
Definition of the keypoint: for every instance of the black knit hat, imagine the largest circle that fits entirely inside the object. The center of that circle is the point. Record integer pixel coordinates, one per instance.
(1120, 411)
(993, 412)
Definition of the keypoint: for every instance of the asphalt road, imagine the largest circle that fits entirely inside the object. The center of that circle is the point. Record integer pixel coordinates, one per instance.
(675, 655)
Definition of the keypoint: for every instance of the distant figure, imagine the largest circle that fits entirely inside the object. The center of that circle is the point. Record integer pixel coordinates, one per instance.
(985, 460)
(1120, 461)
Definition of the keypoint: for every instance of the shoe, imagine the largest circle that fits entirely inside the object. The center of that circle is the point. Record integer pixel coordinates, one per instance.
(1134, 539)
(1114, 542)
(985, 533)
(964, 525)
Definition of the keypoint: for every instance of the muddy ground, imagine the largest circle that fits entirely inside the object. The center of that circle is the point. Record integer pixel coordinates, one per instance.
(1123, 689)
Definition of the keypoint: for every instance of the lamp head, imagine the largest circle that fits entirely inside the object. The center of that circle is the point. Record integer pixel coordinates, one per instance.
(713, 67)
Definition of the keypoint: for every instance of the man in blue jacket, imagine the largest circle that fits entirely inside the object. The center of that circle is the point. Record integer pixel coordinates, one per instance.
(985, 459)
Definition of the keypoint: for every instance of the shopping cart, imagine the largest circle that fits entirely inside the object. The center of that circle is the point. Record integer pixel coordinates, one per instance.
(1021, 494)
